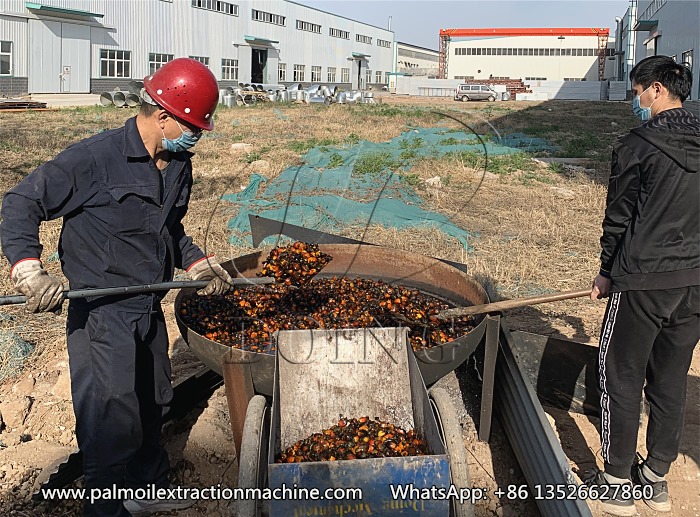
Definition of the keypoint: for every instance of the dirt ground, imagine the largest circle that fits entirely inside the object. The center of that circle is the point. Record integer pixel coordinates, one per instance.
(535, 230)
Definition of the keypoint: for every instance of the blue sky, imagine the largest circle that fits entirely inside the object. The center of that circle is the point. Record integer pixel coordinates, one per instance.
(419, 21)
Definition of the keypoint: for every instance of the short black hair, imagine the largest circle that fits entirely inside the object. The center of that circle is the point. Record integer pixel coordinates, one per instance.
(149, 109)
(676, 78)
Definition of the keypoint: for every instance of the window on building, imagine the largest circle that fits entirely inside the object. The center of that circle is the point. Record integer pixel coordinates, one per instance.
(386, 77)
(687, 58)
(535, 78)
(201, 59)
(363, 39)
(488, 51)
(308, 26)
(368, 76)
(216, 5)
(383, 43)
(337, 33)
(378, 77)
(299, 73)
(262, 16)
(331, 74)
(115, 63)
(574, 79)
(315, 74)
(5, 58)
(155, 61)
(229, 69)
(520, 52)
(344, 75)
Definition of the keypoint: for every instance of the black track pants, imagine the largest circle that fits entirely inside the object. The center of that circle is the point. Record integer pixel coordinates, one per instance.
(120, 379)
(646, 335)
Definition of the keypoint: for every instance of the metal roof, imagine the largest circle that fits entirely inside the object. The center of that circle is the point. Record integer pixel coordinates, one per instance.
(62, 10)
(554, 31)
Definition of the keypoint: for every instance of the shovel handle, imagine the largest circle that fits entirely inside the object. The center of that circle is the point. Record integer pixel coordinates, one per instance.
(511, 304)
(136, 289)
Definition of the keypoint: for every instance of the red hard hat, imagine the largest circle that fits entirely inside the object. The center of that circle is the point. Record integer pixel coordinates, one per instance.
(187, 89)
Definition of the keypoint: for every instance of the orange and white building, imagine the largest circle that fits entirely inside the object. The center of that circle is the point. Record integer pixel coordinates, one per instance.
(531, 54)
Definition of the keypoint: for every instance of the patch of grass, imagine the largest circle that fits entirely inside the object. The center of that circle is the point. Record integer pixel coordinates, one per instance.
(509, 163)
(408, 154)
(411, 179)
(450, 141)
(236, 138)
(374, 163)
(252, 157)
(530, 177)
(352, 139)
(411, 143)
(468, 158)
(301, 146)
(557, 168)
(335, 161)
(541, 130)
(582, 146)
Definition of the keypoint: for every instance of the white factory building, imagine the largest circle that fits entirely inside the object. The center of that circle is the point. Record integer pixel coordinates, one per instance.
(659, 27)
(80, 46)
(415, 60)
(530, 54)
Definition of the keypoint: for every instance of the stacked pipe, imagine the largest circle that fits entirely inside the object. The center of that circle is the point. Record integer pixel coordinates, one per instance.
(246, 94)
(120, 99)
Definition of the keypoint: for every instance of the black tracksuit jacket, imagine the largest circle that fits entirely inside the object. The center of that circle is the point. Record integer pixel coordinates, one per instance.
(651, 229)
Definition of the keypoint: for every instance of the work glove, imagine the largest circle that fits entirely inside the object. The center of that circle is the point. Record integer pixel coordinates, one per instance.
(209, 268)
(43, 291)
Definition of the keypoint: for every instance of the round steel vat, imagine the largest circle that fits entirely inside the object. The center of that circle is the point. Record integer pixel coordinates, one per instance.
(426, 274)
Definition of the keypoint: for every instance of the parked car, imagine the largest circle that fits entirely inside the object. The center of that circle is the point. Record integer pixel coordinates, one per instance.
(475, 92)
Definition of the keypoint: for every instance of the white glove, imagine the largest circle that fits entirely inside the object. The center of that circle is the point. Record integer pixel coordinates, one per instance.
(43, 291)
(209, 268)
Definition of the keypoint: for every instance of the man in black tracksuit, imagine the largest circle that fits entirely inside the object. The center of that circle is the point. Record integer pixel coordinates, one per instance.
(650, 267)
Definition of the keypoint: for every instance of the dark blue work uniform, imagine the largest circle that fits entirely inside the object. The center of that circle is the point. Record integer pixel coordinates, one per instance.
(121, 226)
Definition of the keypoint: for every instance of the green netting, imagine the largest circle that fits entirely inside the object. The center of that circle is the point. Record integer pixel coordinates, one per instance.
(13, 352)
(354, 185)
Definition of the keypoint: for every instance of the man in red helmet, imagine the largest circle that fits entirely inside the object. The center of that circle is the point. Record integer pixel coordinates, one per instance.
(122, 195)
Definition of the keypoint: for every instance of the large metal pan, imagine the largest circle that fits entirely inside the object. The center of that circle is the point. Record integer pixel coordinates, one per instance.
(360, 261)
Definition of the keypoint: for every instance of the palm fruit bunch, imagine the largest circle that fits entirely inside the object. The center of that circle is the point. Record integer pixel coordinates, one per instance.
(356, 438)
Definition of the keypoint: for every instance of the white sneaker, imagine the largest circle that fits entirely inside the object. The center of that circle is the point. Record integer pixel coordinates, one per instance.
(141, 507)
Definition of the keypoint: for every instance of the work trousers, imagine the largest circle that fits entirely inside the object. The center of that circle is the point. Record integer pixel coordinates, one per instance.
(646, 335)
(120, 380)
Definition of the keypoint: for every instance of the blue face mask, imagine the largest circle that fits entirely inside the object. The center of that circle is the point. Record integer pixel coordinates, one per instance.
(642, 113)
(182, 143)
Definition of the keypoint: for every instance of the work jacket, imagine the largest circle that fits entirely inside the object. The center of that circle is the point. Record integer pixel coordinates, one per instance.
(121, 217)
(651, 229)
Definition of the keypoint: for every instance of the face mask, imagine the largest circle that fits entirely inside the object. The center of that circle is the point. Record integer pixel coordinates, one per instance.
(642, 113)
(182, 143)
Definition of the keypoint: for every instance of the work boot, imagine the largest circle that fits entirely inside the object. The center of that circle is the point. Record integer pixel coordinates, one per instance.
(142, 507)
(616, 504)
(659, 500)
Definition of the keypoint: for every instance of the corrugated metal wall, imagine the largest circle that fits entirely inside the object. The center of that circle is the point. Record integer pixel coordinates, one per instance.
(177, 28)
(15, 30)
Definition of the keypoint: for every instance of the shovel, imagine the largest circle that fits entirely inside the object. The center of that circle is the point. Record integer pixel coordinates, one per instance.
(137, 289)
(511, 304)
